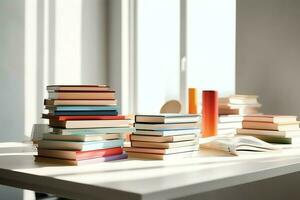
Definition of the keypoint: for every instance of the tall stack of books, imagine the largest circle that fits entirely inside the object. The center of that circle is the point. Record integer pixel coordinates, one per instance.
(86, 127)
(231, 111)
(272, 128)
(164, 136)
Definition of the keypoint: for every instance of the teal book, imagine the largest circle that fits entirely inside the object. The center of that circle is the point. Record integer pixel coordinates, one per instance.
(80, 146)
(85, 108)
(83, 131)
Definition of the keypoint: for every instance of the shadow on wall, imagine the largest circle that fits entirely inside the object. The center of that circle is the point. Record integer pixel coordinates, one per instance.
(46, 42)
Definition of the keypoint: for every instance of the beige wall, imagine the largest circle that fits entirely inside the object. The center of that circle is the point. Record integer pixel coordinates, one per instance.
(268, 53)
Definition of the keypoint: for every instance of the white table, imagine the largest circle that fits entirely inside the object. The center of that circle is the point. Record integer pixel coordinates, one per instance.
(137, 179)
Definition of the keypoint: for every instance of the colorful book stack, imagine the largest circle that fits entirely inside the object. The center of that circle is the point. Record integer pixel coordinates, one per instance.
(272, 128)
(239, 105)
(86, 127)
(164, 136)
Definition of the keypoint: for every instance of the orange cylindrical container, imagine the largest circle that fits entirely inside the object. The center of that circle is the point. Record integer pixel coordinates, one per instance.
(209, 113)
(193, 101)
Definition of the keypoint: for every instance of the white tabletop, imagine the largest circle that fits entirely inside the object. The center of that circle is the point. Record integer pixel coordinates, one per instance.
(138, 179)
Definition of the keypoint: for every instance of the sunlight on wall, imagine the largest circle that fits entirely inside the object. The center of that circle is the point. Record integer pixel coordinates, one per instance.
(211, 45)
(53, 37)
(68, 42)
(30, 65)
(158, 53)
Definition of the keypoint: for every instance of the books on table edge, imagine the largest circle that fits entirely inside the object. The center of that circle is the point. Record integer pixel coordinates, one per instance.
(161, 156)
(239, 99)
(167, 118)
(82, 146)
(175, 138)
(82, 138)
(82, 95)
(80, 162)
(165, 145)
(162, 151)
(79, 155)
(168, 132)
(89, 123)
(83, 131)
(271, 126)
(143, 126)
(82, 102)
(271, 118)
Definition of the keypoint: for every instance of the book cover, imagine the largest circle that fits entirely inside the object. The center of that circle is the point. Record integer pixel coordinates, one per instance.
(85, 113)
(83, 108)
(167, 118)
(57, 161)
(74, 102)
(83, 137)
(161, 151)
(89, 123)
(82, 146)
(152, 156)
(96, 117)
(165, 145)
(83, 131)
(82, 95)
(179, 126)
(175, 138)
(79, 155)
(195, 131)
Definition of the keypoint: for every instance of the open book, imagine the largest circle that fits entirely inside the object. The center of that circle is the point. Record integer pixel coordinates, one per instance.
(236, 144)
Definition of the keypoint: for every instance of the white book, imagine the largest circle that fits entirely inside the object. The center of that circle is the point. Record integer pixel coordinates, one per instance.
(230, 125)
(236, 144)
(283, 134)
(230, 118)
(168, 132)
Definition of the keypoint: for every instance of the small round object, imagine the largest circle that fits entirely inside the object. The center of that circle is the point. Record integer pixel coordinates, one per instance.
(172, 106)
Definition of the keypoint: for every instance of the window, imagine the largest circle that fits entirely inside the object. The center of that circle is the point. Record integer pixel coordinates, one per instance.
(208, 45)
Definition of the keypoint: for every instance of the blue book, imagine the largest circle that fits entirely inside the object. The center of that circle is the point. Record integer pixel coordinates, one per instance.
(80, 146)
(86, 113)
(85, 108)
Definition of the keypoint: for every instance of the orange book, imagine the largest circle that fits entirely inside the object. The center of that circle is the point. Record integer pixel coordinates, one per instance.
(193, 100)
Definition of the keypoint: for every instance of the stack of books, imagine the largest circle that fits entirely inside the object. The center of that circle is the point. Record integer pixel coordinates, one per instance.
(164, 136)
(86, 127)
(272, 128)
(231, 112)
(228, 124)
(239, 105)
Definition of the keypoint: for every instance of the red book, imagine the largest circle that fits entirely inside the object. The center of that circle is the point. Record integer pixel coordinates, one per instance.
(79, 155)
(64, 118)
